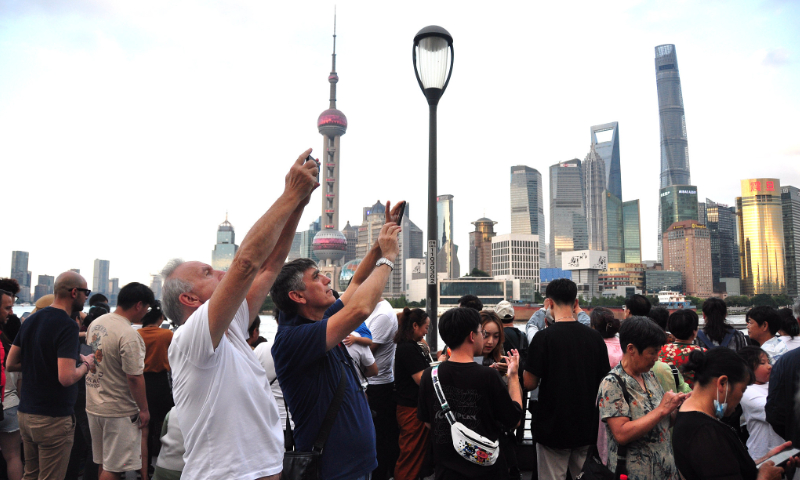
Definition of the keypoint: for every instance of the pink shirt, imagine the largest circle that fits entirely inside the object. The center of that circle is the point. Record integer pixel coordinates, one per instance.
(614, 351)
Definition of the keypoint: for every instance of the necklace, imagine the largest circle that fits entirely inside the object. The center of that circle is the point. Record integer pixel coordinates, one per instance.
(560, 318)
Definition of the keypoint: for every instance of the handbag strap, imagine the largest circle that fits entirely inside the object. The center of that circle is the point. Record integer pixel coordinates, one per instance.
(622, 450)
(437, 387)
(333, 411)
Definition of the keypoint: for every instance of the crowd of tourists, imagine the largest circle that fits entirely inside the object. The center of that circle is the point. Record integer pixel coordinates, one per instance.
(350, 390)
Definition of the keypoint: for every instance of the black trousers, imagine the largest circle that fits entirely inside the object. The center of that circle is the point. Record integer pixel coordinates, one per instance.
(159, 402)
(387, 434)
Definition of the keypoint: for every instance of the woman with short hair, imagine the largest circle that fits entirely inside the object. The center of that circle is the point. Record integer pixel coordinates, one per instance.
(638, 416)
(683, 324)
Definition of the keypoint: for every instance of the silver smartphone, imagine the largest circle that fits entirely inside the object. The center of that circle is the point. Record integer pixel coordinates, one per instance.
(781, 458)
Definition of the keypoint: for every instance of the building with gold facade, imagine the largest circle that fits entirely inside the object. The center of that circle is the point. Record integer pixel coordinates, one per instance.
(623, 275)
(760, 225)
(686, 248)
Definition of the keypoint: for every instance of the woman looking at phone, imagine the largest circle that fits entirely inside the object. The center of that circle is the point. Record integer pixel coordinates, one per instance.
(410, 360)
(493, 342)
(704, 446)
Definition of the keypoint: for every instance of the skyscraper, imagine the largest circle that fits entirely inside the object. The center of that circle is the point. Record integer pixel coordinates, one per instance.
(225, 248)
(760, 225)
(447, 256)
(480, 244)
(687, 249)
(607, 147)
(20, 273)
(632, 232)
(721, 222)
(527, 204)
(332, 124)
(351, 234)
(368, 232)
(615, 228)
(672, 120)
(568, 231)
(677, 203)
(594, 188)
(100, 276)
(48, 281)
(790, 202)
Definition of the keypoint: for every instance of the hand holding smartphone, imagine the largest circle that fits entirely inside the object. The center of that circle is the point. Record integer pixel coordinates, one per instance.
(781, 458)
(319, 165)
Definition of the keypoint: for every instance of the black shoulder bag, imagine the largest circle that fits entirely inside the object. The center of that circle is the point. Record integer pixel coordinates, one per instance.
(307, 465)
(593, 468)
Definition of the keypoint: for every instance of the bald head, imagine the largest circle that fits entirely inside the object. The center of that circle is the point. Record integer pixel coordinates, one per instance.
(66, 282)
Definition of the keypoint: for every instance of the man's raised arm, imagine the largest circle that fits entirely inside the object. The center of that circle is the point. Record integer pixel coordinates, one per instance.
(257, 246)
(368, 263)
(362, 302)
(272, 266)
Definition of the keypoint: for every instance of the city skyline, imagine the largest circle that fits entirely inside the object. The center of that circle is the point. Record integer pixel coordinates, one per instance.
(255, 119)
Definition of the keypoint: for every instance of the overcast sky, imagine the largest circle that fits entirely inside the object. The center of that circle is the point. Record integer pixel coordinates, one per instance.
(128, 129)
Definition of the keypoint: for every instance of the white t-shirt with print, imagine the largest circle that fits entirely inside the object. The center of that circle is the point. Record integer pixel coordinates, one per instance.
(383, 325)
(226, 411)
(762, 436)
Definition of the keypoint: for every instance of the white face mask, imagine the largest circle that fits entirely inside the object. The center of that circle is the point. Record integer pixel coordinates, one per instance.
(719, 408)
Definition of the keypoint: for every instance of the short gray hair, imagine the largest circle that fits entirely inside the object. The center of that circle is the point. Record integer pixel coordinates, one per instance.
(290, 279)
(172, 290)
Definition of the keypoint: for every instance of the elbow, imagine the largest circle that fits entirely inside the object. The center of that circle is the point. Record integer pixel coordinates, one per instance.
(361, 311)
(244, 266)
(64, 381)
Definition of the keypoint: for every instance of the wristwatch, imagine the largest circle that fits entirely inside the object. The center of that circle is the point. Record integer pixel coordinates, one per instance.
(384, 261)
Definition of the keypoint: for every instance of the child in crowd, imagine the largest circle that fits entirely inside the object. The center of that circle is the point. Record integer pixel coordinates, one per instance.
(762, 436)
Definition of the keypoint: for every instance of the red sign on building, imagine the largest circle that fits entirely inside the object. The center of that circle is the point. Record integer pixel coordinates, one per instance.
(755, 186)
(770, 186)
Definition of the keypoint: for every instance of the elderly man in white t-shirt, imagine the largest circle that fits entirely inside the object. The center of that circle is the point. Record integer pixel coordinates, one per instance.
(225, 407)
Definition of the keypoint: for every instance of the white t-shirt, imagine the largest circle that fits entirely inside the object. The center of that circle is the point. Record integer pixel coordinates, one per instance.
(171, 455)
(226, 411)
(383, 325)
(362, 357)
(762, 436)
(264, 354)
(791, 343)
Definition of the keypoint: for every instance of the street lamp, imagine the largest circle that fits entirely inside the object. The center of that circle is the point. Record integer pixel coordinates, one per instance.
(433, 65)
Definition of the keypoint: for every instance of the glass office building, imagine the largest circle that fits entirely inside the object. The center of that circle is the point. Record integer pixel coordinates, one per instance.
(672, 119)
(677, 203)
(721, 222)
(790, 201)
(594, 188)
(615, 232)
(605, 140)
(662, 280)
(632, 233)
(527, 204)
(568, 231)
(760, 225)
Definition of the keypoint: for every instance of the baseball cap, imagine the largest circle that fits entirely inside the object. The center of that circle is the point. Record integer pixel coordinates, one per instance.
(504, 310)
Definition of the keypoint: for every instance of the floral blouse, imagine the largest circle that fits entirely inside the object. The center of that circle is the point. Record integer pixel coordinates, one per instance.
(677, 353)
(649, 457)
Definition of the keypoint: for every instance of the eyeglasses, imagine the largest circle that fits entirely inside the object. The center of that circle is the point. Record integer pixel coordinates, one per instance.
(86, 291)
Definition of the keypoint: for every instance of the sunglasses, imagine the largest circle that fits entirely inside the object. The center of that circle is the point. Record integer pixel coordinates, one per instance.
(86, 291)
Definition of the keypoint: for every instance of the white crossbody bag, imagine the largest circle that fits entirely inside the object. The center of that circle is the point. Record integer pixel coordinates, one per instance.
(473, 447)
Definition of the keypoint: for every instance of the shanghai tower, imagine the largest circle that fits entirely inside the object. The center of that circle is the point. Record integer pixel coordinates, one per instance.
(674, 146)
(677, 197)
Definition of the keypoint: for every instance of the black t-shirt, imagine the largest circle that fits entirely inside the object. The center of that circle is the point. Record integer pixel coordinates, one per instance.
(408, 360)
(706, 448)
(570, 360)
(479, 400)
(44, 337)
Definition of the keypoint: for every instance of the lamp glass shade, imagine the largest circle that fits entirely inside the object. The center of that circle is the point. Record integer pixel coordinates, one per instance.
(433, 62)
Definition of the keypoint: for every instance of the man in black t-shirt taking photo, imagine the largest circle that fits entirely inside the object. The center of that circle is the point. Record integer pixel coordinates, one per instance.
(46, 352)
(569, 360)
(477, 397)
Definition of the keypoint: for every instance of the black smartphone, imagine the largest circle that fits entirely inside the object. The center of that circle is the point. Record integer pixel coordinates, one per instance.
(312, 159)
(400, 213)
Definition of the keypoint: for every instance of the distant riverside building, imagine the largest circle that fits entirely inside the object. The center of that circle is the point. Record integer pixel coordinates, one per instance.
(790, 202)
(687, 249)
(586, 266)
(702, 213)
(660, 280)
(568, 231)
(721, 222)
(527, 204)
(20, 273)
(100, 276)
(410, 242)
(605, 140)
(632, 230)
(351, 234)
(733, 286)
(623, 230)
(39, 291)
(447, 256)
(677, 203)
(547, 275)
(294, 250)
(47, 281)
(156, 285)
(760, 226)
(672, 122)
(113, 290)
(411, 239)
(307, 239)
(622, 275)
(480, 245)
(225, 248)
(491, 291)
(517, 255)
(594, 189)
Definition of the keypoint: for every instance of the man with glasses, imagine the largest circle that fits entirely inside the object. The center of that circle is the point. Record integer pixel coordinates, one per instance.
(116, 402)
(46, 352)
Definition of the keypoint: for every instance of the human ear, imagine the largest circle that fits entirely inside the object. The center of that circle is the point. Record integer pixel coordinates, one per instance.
(296, 297)
(189, 299)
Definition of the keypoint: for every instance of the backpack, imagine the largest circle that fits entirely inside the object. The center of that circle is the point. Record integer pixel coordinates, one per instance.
(710, 344)
(517, 341)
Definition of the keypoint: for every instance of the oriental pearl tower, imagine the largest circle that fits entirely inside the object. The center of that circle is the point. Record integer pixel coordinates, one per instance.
(330, 245)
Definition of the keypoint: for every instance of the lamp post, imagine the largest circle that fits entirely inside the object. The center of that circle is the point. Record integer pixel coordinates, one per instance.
(433, 65)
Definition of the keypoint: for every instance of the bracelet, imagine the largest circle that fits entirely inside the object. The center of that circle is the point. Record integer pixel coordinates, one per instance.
(88, 368)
